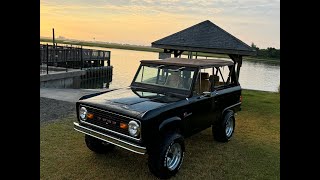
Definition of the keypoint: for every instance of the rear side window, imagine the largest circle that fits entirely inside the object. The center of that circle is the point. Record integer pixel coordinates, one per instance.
(213, 78)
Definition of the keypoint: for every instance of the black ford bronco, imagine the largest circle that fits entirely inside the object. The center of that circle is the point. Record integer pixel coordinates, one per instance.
(167, 101)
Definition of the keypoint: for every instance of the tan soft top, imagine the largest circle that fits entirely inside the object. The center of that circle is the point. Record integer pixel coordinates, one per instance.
(190, 62)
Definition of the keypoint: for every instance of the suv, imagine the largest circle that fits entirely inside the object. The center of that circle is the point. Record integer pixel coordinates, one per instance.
(167, 101)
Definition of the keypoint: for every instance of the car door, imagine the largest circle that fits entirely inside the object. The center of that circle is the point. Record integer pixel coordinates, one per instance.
(201, 111)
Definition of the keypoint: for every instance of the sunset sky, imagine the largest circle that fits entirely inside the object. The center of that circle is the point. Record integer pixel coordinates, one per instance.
(144, 21)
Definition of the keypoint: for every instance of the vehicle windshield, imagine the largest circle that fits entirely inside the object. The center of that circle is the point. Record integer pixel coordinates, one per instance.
(165, 76)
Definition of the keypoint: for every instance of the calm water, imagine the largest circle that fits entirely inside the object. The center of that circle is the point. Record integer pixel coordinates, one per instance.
(253, 75)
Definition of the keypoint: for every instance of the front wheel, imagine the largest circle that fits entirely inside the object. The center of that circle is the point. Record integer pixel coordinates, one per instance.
(165, 161)
(223, 131)
(98, 146)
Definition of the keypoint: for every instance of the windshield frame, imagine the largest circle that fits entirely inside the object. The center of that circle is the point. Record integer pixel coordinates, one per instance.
(165, 89)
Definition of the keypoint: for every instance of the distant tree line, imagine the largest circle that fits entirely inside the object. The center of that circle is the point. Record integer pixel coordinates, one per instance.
(270, 52)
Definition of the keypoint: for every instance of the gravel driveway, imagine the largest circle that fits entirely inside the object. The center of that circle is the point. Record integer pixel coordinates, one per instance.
(51, 109)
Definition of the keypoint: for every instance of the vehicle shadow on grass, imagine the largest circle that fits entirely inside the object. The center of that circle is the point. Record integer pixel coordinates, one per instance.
(126, 164)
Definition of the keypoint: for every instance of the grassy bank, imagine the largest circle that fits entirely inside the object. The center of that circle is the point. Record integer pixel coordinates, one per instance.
(148, 49)
(253, 153)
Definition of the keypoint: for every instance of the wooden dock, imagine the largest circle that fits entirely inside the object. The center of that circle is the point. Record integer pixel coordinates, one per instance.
(58, 63)
(73, 57)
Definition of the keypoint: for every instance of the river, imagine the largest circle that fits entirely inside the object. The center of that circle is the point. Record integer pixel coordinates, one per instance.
(253, 75)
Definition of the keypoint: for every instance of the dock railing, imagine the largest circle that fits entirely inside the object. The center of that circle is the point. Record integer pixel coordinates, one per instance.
(62, 58)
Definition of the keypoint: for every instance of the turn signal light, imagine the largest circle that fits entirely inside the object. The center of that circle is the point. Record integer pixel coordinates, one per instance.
(123, 126)
(90, 116)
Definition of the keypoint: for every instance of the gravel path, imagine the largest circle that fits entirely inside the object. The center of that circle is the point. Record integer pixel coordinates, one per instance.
(51, 109)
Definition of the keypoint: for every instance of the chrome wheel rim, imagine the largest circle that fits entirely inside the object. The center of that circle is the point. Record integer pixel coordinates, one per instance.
(229, 127)
(174, 156)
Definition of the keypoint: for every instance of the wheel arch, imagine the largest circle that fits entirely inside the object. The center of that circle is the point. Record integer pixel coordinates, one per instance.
(231, 108)
(171, 124)
(225, 111)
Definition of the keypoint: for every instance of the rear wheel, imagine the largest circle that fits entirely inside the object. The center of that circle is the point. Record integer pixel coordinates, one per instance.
(98, 146)
(165, 161)
(223, 131)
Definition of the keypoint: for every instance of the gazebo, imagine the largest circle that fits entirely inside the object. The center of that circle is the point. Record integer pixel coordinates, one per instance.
(208, 38)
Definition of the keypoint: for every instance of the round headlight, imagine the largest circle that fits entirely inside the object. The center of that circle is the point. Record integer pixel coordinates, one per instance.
(83, 113)
(133, 128)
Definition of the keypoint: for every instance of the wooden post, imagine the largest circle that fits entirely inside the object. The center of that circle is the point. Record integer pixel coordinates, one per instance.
(81, 58)
(238, 67)
(47, 59)
(53, 42)
(237, 59)
(109, 59)
(190, 55)
(103, 58)
(177, 53)
(65, 58)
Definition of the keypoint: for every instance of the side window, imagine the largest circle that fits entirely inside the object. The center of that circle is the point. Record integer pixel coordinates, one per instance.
(221, 77)
(203, 83)
(181, 79)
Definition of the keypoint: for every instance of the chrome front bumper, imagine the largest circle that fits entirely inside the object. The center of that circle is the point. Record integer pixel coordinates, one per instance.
(107, 138)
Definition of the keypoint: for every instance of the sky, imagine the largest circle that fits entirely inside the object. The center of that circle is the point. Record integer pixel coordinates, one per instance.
(141, 22)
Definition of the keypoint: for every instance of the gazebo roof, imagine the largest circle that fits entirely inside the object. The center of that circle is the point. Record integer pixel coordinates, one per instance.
(204, 37)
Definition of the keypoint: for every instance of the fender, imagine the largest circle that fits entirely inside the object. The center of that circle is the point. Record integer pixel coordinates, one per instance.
(230, 107)
(169, 121)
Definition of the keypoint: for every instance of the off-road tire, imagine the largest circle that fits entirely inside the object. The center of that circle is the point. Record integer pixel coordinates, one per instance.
(219, 130)
(157, 160)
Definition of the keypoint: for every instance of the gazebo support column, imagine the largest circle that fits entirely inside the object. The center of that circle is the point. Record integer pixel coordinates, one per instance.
(177, 53)
(237, 59)
(190, 56)
(167, 50)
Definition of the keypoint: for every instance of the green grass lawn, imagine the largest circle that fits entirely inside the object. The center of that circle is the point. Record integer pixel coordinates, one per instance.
(253, 152)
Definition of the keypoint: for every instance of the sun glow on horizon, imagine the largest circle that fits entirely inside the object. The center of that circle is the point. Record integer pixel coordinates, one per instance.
(142, 22)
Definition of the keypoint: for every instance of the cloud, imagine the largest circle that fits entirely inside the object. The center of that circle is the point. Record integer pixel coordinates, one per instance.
(237, 8)
(258, 16)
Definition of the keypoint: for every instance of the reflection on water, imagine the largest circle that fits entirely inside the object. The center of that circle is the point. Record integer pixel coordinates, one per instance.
(253, 75)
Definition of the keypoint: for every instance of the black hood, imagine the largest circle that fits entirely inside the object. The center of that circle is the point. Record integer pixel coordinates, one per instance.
(130, 102)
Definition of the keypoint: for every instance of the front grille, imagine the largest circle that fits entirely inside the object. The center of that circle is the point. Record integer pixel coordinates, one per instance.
(109, 120)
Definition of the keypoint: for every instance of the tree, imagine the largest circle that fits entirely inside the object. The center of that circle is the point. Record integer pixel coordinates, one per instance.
(270, 52)
(254, 47)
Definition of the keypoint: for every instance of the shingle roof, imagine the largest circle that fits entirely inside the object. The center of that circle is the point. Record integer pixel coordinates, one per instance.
(204, 37)
(191, 62)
